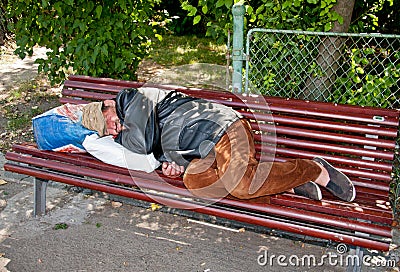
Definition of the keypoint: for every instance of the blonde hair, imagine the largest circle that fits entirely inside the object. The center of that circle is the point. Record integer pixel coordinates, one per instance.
(93, 118)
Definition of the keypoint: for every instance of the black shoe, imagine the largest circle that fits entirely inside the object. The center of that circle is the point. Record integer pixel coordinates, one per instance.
(309, 190)
(339, 184)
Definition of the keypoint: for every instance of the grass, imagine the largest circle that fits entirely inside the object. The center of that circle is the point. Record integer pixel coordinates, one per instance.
(18, 106)
(18, 116)
(59, 226)
(181, 50)
(189, 61)
(18, 119)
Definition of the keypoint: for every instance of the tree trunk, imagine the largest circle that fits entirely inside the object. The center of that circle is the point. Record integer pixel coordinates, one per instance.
(319, 87)
(1, 37)
(3, 22)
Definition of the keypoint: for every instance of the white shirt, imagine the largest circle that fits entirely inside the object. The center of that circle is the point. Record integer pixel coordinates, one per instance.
(108, 151)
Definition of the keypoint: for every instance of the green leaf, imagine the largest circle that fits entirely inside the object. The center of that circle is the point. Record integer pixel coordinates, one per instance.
(119, 64)
(89, 6)
(193, 11)
(340, 20)
(186, 6)
(204, 9)
(196, 19)
(220, 3)
(119, 24)
(122, 3)
(286, 4)
(59, 226)
(104, 50)
(360, 70)
(98, 11)
(259, 9)
(82, 26)
(44, 3)
(57, 7)
(327, 27)
(159, 37)
(94, 55)
(228, 3)
(249, 10)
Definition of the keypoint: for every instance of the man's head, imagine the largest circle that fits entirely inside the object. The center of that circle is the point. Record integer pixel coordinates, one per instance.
(113, 124)
(101, 117)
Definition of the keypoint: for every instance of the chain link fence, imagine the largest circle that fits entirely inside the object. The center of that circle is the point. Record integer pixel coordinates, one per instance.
(362, 69)
(344, 68)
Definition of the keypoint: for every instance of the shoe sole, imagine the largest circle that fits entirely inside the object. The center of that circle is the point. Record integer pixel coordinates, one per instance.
(333, 182)
(318, 190)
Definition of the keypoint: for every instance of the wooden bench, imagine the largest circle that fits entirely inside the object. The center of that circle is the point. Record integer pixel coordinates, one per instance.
(360, 141)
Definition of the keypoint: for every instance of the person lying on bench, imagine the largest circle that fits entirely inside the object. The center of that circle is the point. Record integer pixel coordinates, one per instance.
(60, 129)
(210, 144)
(217, 149)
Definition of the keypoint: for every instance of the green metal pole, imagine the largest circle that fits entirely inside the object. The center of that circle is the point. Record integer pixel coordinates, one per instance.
(237, 51)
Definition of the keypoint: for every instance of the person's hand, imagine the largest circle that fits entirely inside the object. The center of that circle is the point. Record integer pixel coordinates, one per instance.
(171, 169)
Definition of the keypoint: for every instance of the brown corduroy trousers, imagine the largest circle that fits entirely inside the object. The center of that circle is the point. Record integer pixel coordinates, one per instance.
(231, 168)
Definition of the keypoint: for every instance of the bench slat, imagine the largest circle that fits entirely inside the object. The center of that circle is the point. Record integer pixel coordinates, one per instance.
(299, 122)
(324, 136)
(87, 95)
(356, 161)
(280, 104)
(72, 85)
(334, 148)
(301, 153)
(107, 81)
(86, 160)
(369, 214)
(65, 100)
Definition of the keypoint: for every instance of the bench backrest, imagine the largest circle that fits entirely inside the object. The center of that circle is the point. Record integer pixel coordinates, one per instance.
(360, 141)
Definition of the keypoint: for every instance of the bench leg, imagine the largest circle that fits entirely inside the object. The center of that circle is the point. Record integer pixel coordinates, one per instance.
(358, 251)
(39, 197)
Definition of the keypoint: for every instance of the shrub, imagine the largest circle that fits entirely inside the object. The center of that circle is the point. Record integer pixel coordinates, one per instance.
(98, 37)
(313, 15)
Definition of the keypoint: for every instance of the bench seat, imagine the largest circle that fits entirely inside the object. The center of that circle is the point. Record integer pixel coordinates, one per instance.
(360, 141)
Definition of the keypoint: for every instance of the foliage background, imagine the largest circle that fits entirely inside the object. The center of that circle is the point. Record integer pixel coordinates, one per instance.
(100, 38)
(110, 38)
(313, 15)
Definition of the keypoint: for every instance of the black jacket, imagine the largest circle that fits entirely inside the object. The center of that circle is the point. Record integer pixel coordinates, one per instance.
(169, 124)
